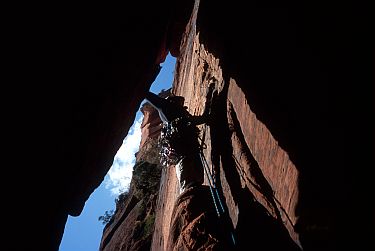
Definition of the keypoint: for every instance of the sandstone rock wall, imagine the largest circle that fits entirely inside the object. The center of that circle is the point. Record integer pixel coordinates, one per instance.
(241, 150)
(132, 225)
(274, 141)
(274, 146)
(78, 73)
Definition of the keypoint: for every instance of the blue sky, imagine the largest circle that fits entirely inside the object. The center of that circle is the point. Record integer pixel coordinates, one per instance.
(83, 233)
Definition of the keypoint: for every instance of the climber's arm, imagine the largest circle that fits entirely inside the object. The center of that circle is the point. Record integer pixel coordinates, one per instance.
(156, 101)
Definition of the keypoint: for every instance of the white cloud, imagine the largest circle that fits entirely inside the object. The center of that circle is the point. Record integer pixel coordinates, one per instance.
(119, 176)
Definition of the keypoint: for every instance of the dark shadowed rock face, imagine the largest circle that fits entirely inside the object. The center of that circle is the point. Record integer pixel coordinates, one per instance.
(276, 148)
(92, 64)
(287, 142)
(256, 178)
(195, 224)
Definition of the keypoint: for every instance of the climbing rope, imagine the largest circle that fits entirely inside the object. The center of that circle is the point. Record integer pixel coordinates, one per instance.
(213, 189)
(212, 185)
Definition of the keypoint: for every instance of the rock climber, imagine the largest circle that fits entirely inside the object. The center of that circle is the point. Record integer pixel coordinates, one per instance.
(179, 137)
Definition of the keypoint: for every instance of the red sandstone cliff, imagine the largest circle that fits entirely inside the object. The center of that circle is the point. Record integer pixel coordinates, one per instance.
(274, 151)
(291, 123)
(131, 226)
(258, 180)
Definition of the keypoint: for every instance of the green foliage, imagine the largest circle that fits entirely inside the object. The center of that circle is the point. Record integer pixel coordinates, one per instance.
(146, 179)
(149, 224)
(137, 230)
(143, 229)
(107, 217)
(121, 198)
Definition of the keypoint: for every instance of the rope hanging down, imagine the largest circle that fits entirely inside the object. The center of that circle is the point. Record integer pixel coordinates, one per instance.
(212, 185)
(213, 188)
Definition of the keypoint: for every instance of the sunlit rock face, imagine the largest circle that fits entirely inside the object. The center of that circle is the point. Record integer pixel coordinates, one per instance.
(132, 224)
(257, 179)
(274, 148)
(287, 137)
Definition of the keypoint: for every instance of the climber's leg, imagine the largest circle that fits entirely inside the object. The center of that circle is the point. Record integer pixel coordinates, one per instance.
(189, 171)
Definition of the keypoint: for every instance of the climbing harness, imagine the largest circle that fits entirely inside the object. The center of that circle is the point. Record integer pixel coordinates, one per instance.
(171, 139)
(169, 134)
(173, 148)
(172, 144)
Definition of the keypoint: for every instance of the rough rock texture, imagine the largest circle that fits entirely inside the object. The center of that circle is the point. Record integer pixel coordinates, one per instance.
(168, 194)
(195, 224)
(196, 68)
(78, 72)
(132, 224)
(275, 145)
